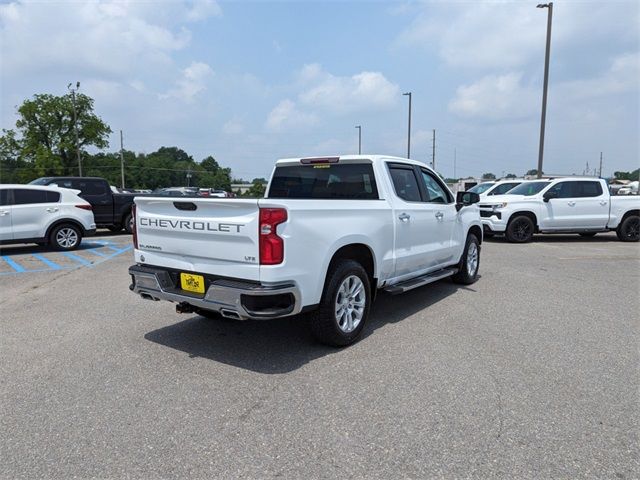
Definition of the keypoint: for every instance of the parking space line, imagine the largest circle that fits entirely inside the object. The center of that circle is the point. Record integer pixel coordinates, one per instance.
(76, 258)
(97, 252)
(53, 265)
(16, 266)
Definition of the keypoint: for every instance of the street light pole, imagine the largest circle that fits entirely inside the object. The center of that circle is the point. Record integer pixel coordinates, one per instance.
(122, 159)
(75, 125)
(549, 6)
(359, 139)
(409, 127)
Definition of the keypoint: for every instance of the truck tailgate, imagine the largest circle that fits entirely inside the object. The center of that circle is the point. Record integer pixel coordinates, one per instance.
(208, 235)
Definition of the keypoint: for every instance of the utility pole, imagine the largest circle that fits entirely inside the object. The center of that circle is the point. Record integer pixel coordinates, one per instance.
(189, 178)
(75, 125)
(409, 128)
(122, 159)
(546, 84)
(433, 151)
(454, 164)
(359, 139)
(600, 171)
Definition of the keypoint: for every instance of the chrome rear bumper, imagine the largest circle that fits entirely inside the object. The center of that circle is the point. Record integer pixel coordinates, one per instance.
(237, 299)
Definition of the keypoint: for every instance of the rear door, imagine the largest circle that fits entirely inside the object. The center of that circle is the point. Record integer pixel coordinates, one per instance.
(32, 211)
(209, 235)
(98, 194)
(6, 232)
(423, 227)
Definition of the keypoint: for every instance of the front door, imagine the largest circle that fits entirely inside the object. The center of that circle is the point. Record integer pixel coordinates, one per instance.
(579, 204)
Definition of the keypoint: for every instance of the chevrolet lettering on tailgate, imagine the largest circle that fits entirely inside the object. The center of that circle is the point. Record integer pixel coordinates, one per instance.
(190, 225)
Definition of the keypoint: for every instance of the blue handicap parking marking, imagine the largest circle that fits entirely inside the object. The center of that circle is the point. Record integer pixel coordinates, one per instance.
(13, 264)
(98, 250)
(46, 261)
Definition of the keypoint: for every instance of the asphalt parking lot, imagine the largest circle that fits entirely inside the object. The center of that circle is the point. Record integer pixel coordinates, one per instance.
(532, 372)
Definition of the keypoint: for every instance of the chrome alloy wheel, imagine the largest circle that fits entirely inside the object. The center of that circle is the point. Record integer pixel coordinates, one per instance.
(350, 303)
(67, 237)
(472, 259)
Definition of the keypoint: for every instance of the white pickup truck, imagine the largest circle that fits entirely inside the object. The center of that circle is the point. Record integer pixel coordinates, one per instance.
(561, 205)
(329, 233)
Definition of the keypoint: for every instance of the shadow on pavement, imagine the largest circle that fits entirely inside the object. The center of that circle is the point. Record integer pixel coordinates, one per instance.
(9, 250)
(604, 237)
(283, 345)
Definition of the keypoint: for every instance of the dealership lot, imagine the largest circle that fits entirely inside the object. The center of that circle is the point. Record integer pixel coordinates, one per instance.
(533, 371)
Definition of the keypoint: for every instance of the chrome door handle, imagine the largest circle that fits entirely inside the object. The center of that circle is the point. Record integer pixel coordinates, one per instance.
(571, 204)
(603, 202)
(404, 217)
(439, 215)
(52, 209)
(3, 213)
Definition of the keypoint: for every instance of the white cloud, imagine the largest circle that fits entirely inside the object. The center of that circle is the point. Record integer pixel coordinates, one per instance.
(506, 35)
(192, 81)
(286, 115)
(496, 97)
(362, 91)
(102, 39)
(203, 9)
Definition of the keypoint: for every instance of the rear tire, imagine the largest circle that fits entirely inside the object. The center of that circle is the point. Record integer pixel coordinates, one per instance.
(520, 229)
(65, 237)
(344, 306)
(469, 263)
(128, 223)
(629, 229)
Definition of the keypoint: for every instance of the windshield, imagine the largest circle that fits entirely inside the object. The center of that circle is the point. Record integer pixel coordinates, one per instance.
(528, 188)
(481, 187)
(40, 181)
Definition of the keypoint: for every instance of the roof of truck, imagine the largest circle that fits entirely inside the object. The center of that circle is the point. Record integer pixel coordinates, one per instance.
(372, 158)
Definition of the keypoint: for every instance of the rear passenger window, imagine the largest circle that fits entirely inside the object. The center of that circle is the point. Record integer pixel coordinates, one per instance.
(588, 189)
(27, 196)
(89, 187)
(405, 183)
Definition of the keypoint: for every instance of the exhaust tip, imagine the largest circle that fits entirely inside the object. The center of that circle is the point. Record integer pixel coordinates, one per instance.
(230, 314)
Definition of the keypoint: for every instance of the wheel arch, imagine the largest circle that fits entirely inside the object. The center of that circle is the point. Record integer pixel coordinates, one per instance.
(359, 252)
(525, 213)
(477, 231)
(628, 214)
(64, 221)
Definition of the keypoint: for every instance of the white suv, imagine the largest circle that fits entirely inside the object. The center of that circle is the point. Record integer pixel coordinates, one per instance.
(44, 215)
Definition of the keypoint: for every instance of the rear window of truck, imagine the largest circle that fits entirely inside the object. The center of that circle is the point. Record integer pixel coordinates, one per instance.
(324, 181)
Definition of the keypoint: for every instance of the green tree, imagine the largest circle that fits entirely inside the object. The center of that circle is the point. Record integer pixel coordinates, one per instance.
(510, 175)
(635, 175)
(488, 176)
(46, 136)
(257, 189)
(533, 171)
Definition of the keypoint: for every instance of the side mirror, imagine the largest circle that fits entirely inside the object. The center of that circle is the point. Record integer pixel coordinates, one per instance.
(464, 199)
(549, 194)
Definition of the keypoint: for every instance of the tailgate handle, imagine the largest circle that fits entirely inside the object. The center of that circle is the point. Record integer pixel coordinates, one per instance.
(185, 205)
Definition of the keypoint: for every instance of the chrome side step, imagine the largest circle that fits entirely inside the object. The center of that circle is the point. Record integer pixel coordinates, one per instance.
(420, 281)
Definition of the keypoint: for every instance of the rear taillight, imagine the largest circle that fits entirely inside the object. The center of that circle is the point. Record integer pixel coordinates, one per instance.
(134, 229)
(85, 206)
(271, 245)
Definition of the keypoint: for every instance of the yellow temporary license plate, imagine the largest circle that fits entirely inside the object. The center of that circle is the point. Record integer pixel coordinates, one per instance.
(192, 283)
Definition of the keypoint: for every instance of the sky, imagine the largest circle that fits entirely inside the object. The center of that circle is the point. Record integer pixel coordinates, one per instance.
(251, 82)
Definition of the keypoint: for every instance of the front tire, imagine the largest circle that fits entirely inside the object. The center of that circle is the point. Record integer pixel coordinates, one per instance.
(469, 263)
(629, 229)
(344, 306)
(65, 237)
(520, 229)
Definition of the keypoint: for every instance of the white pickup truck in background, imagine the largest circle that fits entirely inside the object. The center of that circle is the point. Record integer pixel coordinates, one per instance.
(561, 205)
(329, 233)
